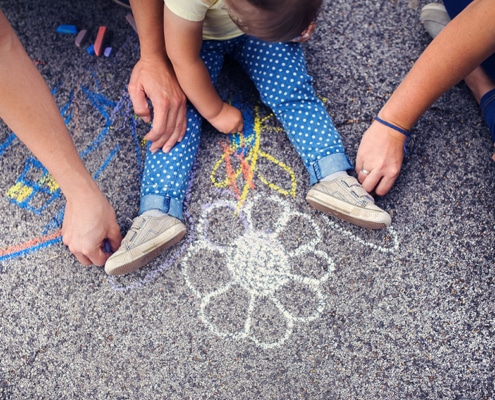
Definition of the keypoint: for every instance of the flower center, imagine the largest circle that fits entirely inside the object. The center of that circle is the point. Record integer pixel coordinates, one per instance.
(258, 263)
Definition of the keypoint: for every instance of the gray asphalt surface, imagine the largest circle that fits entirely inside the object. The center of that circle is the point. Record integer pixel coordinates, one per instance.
(265, 298)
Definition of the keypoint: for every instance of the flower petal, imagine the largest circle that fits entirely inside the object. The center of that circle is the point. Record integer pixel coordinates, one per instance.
(311, 267)
(303, 299)
(299, 234)
(226, 312)
(263, 213)
(270, 325)
(218, 218)
(208, 275)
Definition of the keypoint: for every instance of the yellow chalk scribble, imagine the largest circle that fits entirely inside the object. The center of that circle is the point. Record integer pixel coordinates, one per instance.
(247, 164)
(50, 183)
(19, 192)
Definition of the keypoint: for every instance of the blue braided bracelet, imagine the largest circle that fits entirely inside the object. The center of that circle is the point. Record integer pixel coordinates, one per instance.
(405, 132)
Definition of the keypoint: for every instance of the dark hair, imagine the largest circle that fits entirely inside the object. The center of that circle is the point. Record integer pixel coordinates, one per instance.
(278, 20)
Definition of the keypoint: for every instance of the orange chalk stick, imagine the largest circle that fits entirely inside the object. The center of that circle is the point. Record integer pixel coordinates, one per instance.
(100, 37)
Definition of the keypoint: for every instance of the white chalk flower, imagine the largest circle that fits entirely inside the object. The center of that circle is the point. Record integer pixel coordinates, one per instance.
(255, 276)
(256, 268)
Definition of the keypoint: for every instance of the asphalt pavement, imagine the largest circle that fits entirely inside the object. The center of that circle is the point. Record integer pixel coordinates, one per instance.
(264, 298)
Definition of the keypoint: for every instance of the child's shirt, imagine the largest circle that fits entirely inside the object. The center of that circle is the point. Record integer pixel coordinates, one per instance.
(217, 23)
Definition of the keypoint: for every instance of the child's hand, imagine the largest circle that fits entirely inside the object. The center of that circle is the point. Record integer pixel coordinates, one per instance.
(228, 120)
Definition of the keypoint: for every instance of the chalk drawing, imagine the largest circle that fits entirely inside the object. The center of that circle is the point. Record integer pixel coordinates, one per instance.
(259, 265)
(26, 189)
(240, 159)
(35, 190)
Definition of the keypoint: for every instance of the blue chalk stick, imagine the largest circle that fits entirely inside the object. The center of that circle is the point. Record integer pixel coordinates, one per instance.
(91, 50)
(106, 246)
(107, 52)
(67, 29)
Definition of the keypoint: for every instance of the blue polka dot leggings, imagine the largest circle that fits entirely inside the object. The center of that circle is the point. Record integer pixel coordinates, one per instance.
(278, 71)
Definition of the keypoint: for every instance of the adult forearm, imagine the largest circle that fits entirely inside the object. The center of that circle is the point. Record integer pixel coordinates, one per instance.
(28, 108)
(461, 46)
(148, 15)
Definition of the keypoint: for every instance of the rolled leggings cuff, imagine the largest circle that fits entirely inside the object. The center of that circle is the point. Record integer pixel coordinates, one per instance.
(167, 205)
(328, 165)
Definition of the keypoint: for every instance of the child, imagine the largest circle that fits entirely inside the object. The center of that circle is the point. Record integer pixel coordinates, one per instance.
(198, 34)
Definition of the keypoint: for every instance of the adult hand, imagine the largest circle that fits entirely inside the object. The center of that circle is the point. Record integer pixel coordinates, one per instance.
(380, 153)
(89, 220)
(155, 80)
(228, 120)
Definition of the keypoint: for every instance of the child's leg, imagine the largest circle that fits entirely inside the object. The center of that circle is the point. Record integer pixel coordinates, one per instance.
(284, 85)
(163, 189)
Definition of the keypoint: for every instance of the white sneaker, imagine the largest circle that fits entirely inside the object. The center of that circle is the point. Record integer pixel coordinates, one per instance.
(148, 237)
(346, 199)
(434, 17)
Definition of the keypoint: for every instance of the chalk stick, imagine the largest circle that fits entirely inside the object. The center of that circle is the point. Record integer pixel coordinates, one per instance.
(130, 18)
(91, 49)
(67, 29)
(106, 247)
(107, 52)
(100, 37)
(80, 37)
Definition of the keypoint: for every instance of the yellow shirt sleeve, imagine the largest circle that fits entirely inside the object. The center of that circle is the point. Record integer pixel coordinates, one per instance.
(217, 23)
(192, 10)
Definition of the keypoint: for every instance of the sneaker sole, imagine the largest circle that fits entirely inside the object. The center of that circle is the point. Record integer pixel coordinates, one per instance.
(342, 210)
(141, 255)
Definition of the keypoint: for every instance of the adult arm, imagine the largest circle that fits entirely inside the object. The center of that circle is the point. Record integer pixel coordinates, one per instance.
(153, 78)
(459, 48)
(28, 108)
(184, 39)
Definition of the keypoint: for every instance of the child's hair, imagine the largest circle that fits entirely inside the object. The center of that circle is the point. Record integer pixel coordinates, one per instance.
(277, 20)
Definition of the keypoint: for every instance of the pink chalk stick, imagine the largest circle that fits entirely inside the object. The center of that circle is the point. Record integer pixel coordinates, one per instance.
(80, 37)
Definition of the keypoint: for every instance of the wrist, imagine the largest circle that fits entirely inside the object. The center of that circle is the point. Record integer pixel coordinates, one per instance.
(404, 133)
(153, 56)
(397, 122)
(213, 111)
(80, 188)
(398, 133)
